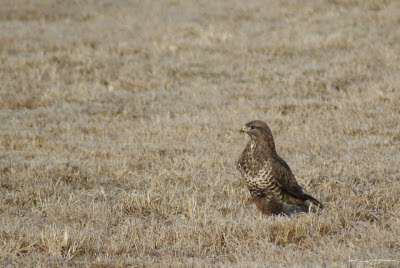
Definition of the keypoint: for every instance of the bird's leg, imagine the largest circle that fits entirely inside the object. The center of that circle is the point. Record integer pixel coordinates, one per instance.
(268, 206)
(261, 204)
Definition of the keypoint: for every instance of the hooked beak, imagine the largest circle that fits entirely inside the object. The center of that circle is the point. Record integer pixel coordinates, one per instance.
(244, 129)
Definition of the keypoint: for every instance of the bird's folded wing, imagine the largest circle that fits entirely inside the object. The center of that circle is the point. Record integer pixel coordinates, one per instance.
(285, 178)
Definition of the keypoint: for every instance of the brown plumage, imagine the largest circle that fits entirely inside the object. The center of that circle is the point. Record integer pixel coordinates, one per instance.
(268, 177)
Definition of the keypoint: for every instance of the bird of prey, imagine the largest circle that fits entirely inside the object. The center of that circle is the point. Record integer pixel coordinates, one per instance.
(272, 184)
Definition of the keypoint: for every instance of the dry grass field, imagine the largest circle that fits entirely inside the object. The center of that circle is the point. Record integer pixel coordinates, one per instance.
(119, 124)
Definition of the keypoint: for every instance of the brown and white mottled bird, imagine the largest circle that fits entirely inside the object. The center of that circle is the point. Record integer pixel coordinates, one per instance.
(271, 182)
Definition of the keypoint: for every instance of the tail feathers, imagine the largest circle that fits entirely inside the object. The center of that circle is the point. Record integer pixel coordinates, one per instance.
(314, 201)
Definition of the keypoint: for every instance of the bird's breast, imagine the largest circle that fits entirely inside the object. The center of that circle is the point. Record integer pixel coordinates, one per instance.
(256, 173)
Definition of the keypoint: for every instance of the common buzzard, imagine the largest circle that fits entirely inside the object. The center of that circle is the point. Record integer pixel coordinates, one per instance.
(272, 184)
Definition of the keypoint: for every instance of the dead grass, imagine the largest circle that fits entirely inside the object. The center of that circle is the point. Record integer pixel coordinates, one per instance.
(119, 131)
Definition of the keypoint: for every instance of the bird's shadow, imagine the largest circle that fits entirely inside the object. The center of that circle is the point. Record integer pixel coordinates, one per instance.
(289, 210)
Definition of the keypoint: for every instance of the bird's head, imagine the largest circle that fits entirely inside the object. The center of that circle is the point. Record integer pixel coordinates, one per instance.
(260, 132)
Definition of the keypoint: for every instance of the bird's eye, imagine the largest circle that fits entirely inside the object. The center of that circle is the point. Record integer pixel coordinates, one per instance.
(252, 127)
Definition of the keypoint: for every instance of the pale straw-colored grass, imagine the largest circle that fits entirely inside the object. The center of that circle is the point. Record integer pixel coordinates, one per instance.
(120, 121)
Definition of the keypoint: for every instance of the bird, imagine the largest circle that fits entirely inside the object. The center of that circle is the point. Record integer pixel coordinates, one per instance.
(271, 183)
